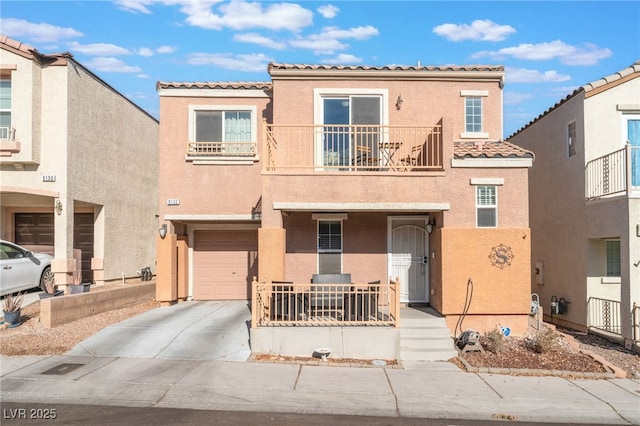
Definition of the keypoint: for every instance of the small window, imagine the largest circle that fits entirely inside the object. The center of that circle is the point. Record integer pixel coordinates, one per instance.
(220, 131)
(329, 247)
(5, 107)
(571, 139)
(613, 258)
(473, 114)
(486, 206)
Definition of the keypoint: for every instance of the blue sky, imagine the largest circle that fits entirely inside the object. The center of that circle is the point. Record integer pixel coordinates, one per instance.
(548, 48)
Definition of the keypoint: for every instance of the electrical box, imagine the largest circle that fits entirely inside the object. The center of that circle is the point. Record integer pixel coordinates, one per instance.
(539, 272)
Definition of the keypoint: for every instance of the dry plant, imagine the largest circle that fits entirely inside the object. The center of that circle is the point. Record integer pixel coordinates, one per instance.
(49, 284)
(493, 341)
(13, 303)
(544, 341)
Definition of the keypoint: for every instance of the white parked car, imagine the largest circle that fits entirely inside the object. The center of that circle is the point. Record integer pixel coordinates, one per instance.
(21, 269)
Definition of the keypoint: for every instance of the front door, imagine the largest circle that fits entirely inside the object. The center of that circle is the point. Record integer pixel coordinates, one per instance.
(409, 256)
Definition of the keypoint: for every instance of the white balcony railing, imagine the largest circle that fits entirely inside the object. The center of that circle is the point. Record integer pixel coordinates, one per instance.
(221, 149)
(615, 173)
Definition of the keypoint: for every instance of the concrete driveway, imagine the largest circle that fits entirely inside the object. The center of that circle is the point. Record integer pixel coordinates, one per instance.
(187, 330)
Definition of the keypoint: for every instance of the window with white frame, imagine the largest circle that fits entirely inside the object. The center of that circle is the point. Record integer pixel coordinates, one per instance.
(486, 206)
(226, 130)
(571, 139)
(5, 106)
(473, 114)
(329, 246)
(613, 258)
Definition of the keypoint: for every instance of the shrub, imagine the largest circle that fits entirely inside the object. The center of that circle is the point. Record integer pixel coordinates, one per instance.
(544, 341)
(493, 341)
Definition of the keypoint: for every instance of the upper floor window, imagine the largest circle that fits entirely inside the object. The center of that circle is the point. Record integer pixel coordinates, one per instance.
(473, 114)
(613, 258)
(571, 139)
(5, 107)
(222, 130)
(486, 206)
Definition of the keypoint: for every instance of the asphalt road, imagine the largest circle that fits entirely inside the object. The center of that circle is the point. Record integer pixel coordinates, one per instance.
(98, 415)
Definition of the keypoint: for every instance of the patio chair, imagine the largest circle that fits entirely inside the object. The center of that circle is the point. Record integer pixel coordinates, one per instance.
(329, 300)
(414, 158)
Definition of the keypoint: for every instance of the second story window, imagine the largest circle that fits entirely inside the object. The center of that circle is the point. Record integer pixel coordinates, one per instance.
(571, 139)
(219, 131)
(5, 107)
(473, 114)
(486, 206)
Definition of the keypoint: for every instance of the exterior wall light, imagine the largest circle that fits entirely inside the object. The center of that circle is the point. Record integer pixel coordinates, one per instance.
(399, 102)
(58, 207)
(431, 225)
(163, 231)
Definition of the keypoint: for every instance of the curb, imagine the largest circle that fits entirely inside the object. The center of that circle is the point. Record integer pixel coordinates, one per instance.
(535, 372)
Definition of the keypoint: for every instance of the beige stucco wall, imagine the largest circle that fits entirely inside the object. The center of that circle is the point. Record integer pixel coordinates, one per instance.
(102, 151)
(567, 230)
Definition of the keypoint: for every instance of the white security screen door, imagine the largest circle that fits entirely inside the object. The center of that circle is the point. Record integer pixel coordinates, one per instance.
(409, 256)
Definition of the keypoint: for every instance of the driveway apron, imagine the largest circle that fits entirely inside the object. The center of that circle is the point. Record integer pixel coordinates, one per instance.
(187, 330)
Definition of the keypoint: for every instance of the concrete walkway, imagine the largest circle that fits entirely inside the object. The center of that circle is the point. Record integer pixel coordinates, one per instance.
(194, 356)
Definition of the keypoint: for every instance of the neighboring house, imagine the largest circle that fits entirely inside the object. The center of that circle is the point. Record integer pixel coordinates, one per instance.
(79, 164)
(584, 198)
(366, 176)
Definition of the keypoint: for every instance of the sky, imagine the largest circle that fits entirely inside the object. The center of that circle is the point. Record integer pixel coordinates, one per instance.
(548, 49)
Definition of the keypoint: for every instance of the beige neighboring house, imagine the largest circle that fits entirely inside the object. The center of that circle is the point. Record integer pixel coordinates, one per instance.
(79, 167)
(584, 198)
(339, 200)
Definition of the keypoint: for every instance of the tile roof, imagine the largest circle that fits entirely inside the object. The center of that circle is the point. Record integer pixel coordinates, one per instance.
(489, 149)
(634, 68)
(17, 44)
(237, 85)
(281, 66)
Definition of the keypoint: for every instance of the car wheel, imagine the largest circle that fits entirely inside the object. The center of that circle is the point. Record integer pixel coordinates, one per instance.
(46, 275)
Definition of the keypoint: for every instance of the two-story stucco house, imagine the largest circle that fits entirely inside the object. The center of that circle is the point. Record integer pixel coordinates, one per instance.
(350, 193)
(79, 165)
(584, 198)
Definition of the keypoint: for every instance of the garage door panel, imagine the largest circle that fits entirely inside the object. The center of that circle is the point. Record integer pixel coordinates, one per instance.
(224, 264)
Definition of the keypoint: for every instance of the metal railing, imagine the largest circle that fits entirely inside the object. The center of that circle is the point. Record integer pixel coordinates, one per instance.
(615, 173)
(604, 314)
(635, 316)
(213, 149)
(287, 304)
(5, 133)
(354, 148)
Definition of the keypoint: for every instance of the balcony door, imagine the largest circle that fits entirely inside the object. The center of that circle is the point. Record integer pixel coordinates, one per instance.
(350, 132)
(633, 136)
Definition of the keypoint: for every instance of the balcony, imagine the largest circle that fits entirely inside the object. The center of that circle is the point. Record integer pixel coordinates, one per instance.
(352, 148)
(614, 173)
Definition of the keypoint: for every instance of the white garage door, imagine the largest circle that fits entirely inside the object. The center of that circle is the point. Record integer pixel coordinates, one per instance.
(224, 263)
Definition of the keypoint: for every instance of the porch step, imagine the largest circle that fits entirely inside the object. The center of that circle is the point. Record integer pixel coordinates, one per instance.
(424, 336)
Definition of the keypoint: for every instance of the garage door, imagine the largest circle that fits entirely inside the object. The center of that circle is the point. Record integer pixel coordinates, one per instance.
(37, 229)
(224, 263)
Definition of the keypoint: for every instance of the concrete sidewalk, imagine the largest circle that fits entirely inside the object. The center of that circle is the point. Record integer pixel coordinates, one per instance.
(431, 390)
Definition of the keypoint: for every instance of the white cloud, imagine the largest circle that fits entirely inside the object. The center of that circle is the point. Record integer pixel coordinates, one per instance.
(481, 30)
(329, 11)
(343, 59)
(145, 51)
(256, 62)
(515, 98)
(259, 40)
(98, 49)
(588, 54)
(328, 40)
(165, 49)
(522, 75)
(42, 33)
(111, 65)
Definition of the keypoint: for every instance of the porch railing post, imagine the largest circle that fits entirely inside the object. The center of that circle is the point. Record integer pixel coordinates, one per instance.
(628, 171)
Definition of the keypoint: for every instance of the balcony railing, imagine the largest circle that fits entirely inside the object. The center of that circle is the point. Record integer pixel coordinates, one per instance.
(604, 315)
(353, 148)
(288, 304)
(6, 133)
(218, 149)
(614, 173)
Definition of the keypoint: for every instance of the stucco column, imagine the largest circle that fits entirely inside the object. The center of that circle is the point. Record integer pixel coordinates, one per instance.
(167, 274)
(271, 254)
(64, 265)
(629, 281)
(97, 261)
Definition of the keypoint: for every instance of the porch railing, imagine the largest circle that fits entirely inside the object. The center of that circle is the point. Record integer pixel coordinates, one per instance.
(353, 148)
(615, 173)
(636, 322)
(308, 304)
(604, 315)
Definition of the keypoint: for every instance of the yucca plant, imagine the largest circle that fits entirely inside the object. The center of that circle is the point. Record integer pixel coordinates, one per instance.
(13, 303)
